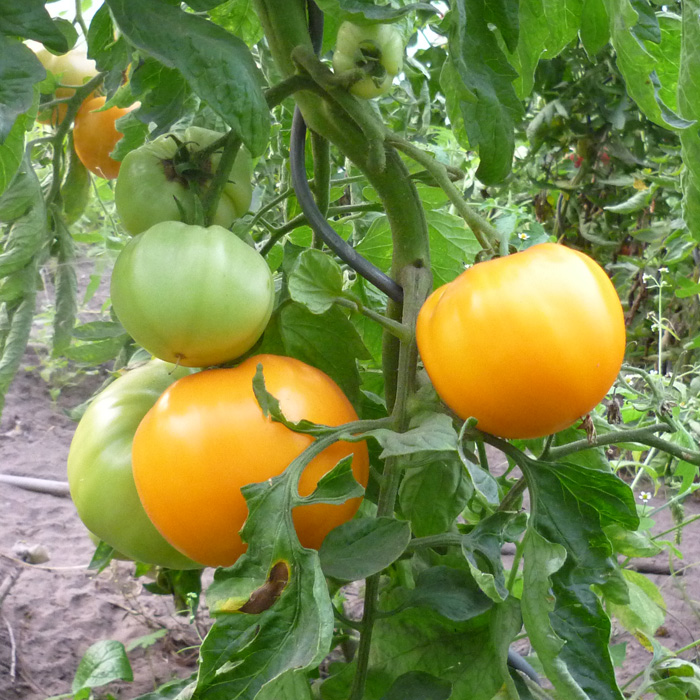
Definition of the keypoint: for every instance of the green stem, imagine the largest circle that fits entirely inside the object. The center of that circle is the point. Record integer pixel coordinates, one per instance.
(643, 436)
(676, 527)
(72, 107)
(210, 200)
(482, 229)
(516, 565)
(286, 88)
(415, 282)
(79, 20)
(397, 329)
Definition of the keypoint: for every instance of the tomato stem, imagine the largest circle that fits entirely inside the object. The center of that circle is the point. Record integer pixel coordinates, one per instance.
(486, 234)
(211, 197)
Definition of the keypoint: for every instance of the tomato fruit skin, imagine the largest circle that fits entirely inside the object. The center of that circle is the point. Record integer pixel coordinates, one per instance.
(95, 136)
(527, 344)
(148, 185)
(99, 466)
(206, 437)
(73, 68)
(192, 295)
(376, 49)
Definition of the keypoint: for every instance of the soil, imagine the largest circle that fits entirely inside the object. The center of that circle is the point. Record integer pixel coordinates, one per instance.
(56, 609)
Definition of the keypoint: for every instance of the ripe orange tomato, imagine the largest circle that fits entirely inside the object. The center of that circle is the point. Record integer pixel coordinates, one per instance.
(526, 344)
(206, 437)
(73, 68)
(95, 136)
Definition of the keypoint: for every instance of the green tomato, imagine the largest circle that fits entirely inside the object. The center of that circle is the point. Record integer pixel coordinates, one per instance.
(99, 466)
(192, 295)
(153, 187)
(376, 49)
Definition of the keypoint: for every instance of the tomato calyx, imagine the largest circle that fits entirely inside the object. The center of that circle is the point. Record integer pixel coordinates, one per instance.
(187, 167)
(368, 58)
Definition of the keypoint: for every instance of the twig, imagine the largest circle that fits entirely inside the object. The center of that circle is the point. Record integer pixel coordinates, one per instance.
(7, 584)
(13, 650)
(28, 483)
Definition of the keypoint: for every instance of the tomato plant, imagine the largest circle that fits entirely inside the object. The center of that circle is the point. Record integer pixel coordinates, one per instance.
(72, 68)
(207, 437)
(361, 209)
(95, 136)
(99, 466)
(159, 181)
(192, 295)
(526, 344)
(376, 50)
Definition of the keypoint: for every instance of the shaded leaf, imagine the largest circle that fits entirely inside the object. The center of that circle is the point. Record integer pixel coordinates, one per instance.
(490, 118)
(19, 71)
(359, 548)
(30, 19)
(433, 492)
(450, 592)
(217, 65)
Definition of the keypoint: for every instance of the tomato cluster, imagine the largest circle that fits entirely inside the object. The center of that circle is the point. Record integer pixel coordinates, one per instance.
(158, 461)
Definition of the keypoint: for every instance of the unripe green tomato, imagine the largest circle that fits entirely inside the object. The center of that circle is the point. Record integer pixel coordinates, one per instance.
(99, 466)
(192, 295)
(149, 185)
(376, 49)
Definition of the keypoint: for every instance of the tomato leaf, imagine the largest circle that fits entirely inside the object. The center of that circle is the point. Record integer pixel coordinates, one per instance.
(293, 632)
(30, 19)
(564, 556)
(328, 341)
(29, 230)
(471, 655)
(217, 65)
(316, 281)
(360, 548)
(102, 48)
(482, 550)
(66, 291)
(291, 685)
(19, 71)
(103, 662)
(418, 684)
(337, 485)
(482, 94)
(434, 491)
(436, 433)
(450, 592)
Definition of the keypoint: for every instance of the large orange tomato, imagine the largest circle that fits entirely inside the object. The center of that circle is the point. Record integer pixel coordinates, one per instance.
(206, 437)
(95, 136)
(526, 344)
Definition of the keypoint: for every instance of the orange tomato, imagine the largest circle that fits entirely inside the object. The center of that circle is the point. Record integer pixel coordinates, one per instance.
(206, 437)
(95, 136)
(526, 344)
